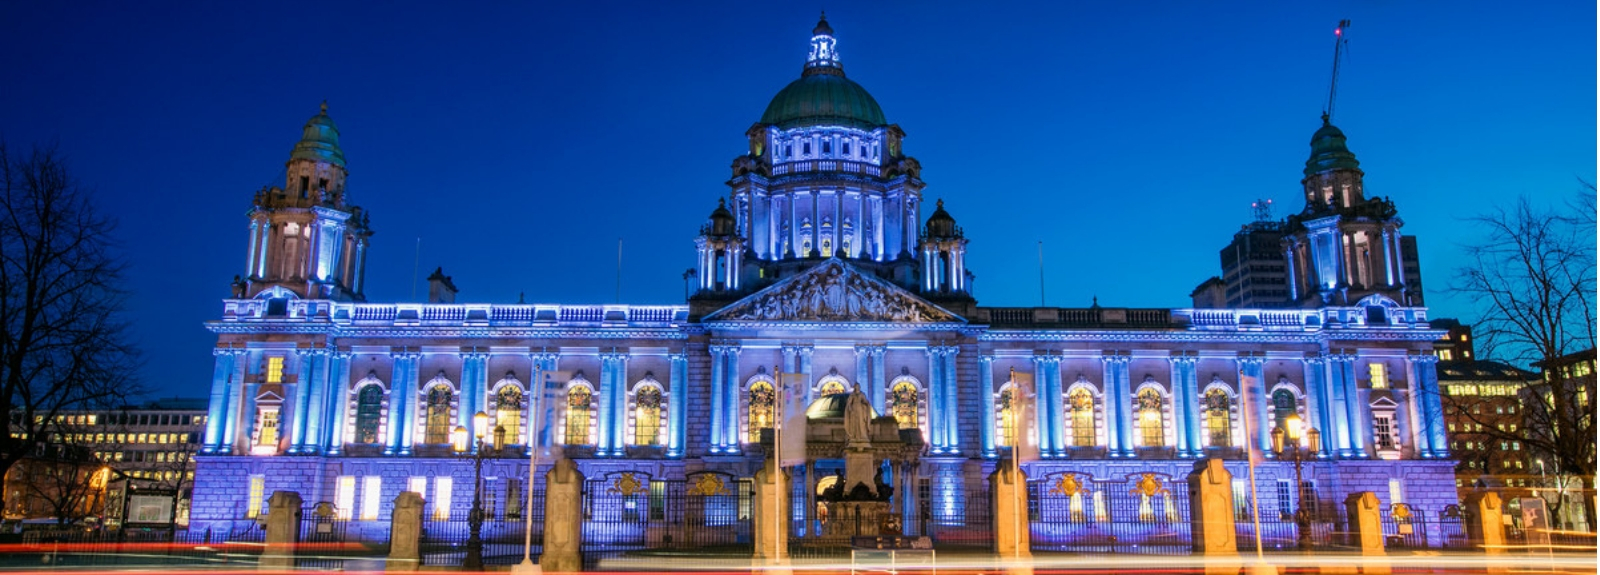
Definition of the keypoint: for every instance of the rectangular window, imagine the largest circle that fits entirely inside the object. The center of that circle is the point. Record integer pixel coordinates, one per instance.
(1396, 493)
(1241, 500)
(1380, 375)
(1285, 503)
(417, 484)
(268, 436)
(274, 370)
(344, 497)
(658, 500)
(1383, 431)
(1308, 497)
(441, 498)
(258, 489)
(371, 497)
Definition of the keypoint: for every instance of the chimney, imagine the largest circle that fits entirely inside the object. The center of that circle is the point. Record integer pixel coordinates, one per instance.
(440, 288)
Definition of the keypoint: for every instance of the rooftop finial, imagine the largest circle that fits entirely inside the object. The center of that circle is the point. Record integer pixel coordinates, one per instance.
(324, 107)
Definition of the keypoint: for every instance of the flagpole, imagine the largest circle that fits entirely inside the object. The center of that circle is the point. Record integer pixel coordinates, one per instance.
(777, 464)
(537, 406)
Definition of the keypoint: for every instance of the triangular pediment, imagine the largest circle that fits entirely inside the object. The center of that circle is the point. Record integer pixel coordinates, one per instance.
(834, 291)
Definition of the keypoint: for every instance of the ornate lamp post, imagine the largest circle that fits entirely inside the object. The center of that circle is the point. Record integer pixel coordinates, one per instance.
(480, 425)
(1293, 427)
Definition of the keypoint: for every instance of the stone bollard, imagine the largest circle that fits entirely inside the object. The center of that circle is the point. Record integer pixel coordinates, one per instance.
(563, 518)
(283, 531)
(771, 526)
(1486, 526)
(405, 533)
(1366, 530)
(1008, 490)
(1211, 516)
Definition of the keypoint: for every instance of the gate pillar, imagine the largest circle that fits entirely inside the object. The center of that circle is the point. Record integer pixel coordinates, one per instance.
(770, 519)
(563, 518)
(283, 531)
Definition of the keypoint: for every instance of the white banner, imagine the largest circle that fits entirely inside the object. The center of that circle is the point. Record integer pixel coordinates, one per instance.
(791, 425)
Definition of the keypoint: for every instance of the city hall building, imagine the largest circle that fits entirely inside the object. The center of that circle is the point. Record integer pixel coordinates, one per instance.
(825, 259)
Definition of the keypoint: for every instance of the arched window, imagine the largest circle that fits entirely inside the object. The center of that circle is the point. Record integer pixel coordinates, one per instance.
(508, 412)
(1081, 403)
(762, 400)
(1218, 419)
(903, 404)
(369, 413)
(1283, 406)
(1151, 433)
(579, 403)
(437, 420)
(1008, 416)
(647, 415)
(831, 387)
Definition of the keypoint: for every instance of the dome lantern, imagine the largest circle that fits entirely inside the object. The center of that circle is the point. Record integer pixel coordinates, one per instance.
(823, 96)
(319, 142)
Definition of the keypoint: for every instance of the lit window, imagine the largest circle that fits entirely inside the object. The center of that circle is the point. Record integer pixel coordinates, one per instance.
(1383, 430)
(1380, 375)
(1151, 433)
(579, 403)
(417, 484)
(268, 425)
(1218, 415)
(258, 488)
(275, 370)
(344, 498)
(1082, 405)
(762, 400)
(831, 387)
(371, 497)
(508, 412)
(1444, 355)
(1396, 494)
(369, 413)
(903, 404)
(437, 430)
(441, 498)
(647, 415)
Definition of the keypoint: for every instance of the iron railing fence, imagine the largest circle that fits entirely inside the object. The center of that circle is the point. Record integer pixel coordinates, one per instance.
(629, 516)
(1145, 513)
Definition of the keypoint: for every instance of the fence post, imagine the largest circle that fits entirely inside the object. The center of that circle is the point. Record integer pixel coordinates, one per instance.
(1211, 516)
(1008, 490)
(770, 519)
(1366, 530)
(405, 533)
(1486, 526)
(283, 531)
(563, 518)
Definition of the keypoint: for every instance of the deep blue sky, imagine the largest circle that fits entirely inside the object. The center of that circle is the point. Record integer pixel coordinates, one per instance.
(519, 141)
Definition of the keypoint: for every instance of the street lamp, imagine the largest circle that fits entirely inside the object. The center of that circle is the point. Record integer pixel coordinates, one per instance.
(480, 424)
(1293, 427)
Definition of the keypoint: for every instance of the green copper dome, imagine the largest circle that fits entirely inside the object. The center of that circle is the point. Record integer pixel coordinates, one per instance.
(824, 99)
(823, 96)
(320, 141)
(1328, 150)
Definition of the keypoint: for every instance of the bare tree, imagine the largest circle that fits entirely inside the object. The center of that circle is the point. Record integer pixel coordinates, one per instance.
(1533, 280)
(62, 480)
(63, 346)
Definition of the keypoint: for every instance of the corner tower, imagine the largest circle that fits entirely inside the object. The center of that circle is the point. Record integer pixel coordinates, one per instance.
(825, 177)
(1343, 246)
(305, 237)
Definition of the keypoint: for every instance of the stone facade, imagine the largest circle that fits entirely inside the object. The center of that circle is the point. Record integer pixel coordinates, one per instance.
(352, 402)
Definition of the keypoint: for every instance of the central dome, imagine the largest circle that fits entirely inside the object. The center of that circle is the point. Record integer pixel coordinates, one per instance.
(823, 96)
(823, 99)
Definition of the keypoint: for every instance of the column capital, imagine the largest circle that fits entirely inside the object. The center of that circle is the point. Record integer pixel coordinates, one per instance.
(1112, 357)
(342, 353)
(1313, 358)
(878, 351)
(615, 355)
(1184, 359)
(1046, 358)
(545, 355)
(986, 359)
(677, 356)
(474, 355)
(312, 351)
(1246, 358)
(1423, 358)
(221, 351)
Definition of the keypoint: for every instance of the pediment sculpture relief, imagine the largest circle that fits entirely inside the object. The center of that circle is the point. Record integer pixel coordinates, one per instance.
(834, 291)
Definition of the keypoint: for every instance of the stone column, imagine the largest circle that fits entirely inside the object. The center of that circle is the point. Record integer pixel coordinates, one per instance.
(719, 409)
(986, 419)
(1319, 410)
(678, 400)
(474, 388)
(1211, 519)
(1184, 398)
(1346, 414)
(875, 395)
(731, 390)
(563, 518)
(318, 390)
(1432, 406)
(403, 402)
(937, 418)
(299, 405)
(1009, 496)
(1485, 524)
(879, 373)
(339, 402)
(1043, 408)
(769, 519)
(217, 415)
(405, 533)
(952, 408)
(1119, 404)
(283, 531)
